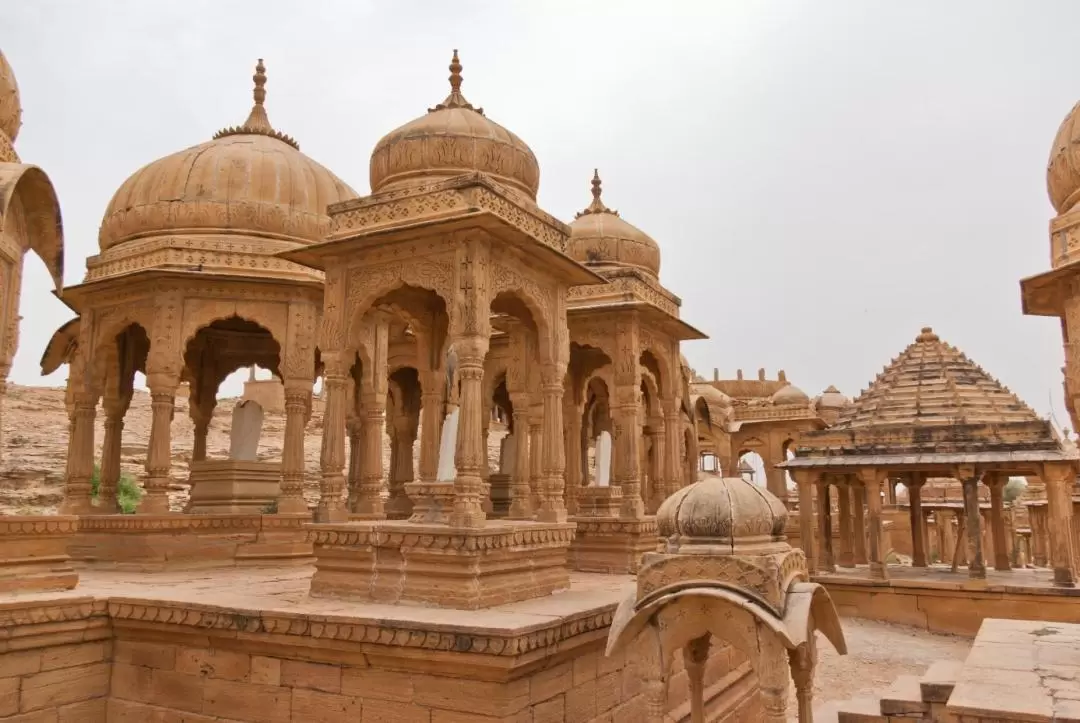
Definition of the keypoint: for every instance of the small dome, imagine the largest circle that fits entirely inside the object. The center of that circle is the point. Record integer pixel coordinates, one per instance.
(10, 112)
(1063, 169)
(598, 236)
(711, 394)
(723, 514)
(452, 139)
(790, 394)
(248, 180)
(831, 398)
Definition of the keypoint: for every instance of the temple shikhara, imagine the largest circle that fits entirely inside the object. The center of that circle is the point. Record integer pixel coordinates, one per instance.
(528, 506)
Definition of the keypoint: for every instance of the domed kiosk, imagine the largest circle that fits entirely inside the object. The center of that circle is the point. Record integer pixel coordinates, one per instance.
(726, 578)
(187, 288)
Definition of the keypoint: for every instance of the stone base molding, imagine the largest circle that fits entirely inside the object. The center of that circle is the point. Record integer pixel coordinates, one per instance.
(228, 486)
(611, 544)
(169, 542)
(34, 553)
(392, 562)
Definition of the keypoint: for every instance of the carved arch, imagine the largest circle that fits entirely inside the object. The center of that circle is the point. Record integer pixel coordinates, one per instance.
(200, 313)
(30, 188)
(367, 284)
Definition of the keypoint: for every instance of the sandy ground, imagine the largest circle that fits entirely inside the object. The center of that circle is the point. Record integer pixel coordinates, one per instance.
(878, 653)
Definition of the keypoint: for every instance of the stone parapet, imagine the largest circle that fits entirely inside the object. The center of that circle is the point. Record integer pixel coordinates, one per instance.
(393, 561)
(612, 544)
(34, 553)
(181, 541)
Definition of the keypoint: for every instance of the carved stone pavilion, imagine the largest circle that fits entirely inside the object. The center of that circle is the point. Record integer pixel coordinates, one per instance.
(931, 412)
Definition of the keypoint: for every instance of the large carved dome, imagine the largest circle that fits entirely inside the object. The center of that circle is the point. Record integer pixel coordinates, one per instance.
(600, 237)
(249, 180)
(1063, 169)
(722, 512)
(10, 112)
(452, 139)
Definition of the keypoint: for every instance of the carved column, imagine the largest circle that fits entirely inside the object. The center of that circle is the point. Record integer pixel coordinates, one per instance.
(521, 503)
(825, 560)
(1059, 480)
(969, 480)
(111, 448)
(552, 504)
(802, 661)
(369, 500)
(804, 481)
(858, 499)
(997, 522)
(672, 461)
(432, 391)
(772, 672)
(155, 500)
(658, 485)
(695, 655)
(399, 506)
(626, 454)
(872, 479)
(332, 458)
(297, 398)
(354, 429)
(847, 557)
(80, 466)
(471, 448)
(918, 520)
(572, 415)
(536, 457)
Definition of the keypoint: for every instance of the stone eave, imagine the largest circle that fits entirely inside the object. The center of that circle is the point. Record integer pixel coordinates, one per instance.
(1039, 294)
(655, 317)
(937, 461)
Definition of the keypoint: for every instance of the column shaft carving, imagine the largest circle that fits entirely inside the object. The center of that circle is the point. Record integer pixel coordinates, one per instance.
(80, 465)
(155, 499)
(297, 400)
(369, 500)
(471, 448)
(552, 505)
(672, 473)
(521, 507)
(574, 456)
(332, 457)
(872, 480)
(1059, 479)
(433, 389)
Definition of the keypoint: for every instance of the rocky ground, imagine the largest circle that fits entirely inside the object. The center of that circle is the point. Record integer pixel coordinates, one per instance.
(35, 428)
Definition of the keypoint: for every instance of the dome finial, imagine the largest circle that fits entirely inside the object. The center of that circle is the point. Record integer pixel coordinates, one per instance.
(927, 335)
(258, 122)
(597, 206)
(455, 99)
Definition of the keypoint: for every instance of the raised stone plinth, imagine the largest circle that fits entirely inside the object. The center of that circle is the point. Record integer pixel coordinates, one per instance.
(229, 486)
(611, 544)
(184, 541)
(34, 553)
(393, 561)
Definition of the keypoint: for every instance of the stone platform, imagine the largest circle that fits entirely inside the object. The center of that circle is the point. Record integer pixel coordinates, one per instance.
(251, 646)
(611, 544)
(178, 541)
(233, 487)
(394, 561)
(34, 553)
(941, 601)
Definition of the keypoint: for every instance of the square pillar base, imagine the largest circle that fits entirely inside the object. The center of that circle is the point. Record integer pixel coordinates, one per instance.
(33, 553)
(233, 487)
(440, 566)
(611, 544)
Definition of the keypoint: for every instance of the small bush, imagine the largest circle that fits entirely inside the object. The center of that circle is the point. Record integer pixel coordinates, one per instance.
(128, 492)
(1014, 488)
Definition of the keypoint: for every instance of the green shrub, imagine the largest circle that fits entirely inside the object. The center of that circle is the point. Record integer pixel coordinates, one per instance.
(1014, 488)
(128, 492)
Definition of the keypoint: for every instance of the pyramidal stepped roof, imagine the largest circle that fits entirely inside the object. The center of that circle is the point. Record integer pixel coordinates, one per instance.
(933, 383)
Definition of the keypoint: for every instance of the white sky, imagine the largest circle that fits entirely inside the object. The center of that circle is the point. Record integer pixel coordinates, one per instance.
(823, 178)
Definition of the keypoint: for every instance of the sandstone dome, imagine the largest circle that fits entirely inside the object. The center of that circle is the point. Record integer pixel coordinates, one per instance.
(10, 112)
(723, 513)
(452, 139)
(600, 237)
(1063, 168)
(832, 398)
(248, 180)
(712, 395)
(790, 394)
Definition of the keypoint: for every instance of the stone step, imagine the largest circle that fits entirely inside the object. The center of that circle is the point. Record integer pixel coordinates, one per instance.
(860, 710)
(938, 682)
(904, 698)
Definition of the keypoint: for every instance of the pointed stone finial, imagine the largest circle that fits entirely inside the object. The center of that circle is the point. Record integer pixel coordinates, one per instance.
(597, 206)
(927, 336)
(455, 99)
(258, 123)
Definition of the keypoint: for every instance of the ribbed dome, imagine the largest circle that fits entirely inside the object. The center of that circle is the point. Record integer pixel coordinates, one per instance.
(790, 394)
(248, 180)
(832, 398)
(598, 236)
(452, 139)
(722, 512)
(1063, 169)
(712, 395)
(10, 112)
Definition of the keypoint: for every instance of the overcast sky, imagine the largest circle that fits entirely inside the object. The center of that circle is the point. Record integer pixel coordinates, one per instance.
(823, 178)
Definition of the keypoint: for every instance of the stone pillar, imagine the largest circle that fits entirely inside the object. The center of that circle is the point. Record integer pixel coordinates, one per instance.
(573, 448)
(536, 458)
(626, 454)
(369, 500)
(354, 429)
(155, 499)
(432, 390)
(657, 437)
(775, 481)
(969, 479)
(997, 522)
(471, 450)
(332, 458)
(1059, 481)
(872, 479)
(399, 506)
(826, 563)
(80, 463)
(918, 520)
(297, 399)
(804, 479)
(858, 502)
(111, 448)
(553, 506)
(695, 655)
(672, 460)
(772, 671)
(802, 661)
(847, 556)
(521, 507)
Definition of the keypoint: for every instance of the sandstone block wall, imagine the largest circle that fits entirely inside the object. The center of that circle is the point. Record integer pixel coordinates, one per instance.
(55, 684)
